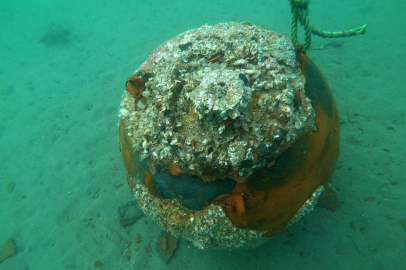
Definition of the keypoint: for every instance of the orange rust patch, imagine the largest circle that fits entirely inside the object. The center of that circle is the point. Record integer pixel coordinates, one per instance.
(235, 172)
(298, 98)
(148, 183)
(192, 143)
(174, 168)
(127, 154)
(228, 122)
(126, 150)
(301, 56)
(237, 203)
(253, 104)
(135, 86)
(269, 165)
(214, 58)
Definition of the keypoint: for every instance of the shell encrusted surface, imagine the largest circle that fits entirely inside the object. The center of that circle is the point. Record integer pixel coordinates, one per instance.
(219, 103)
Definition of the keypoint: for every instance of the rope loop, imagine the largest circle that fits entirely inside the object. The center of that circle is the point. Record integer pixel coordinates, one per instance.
(300, 12)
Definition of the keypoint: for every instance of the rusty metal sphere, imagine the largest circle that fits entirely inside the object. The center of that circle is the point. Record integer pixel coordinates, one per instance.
(228, 136)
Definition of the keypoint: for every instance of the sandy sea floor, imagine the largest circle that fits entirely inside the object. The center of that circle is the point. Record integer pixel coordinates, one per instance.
(62, 72)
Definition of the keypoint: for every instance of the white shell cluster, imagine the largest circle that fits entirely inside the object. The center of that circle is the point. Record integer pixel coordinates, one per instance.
(221, 93)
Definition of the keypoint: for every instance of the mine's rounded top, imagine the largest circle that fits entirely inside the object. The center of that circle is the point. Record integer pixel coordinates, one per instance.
(226, 96)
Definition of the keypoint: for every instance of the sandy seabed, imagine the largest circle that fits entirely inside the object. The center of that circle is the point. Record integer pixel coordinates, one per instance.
(62, 72)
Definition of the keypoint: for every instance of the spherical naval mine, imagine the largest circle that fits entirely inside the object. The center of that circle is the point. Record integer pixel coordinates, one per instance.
(226, 140)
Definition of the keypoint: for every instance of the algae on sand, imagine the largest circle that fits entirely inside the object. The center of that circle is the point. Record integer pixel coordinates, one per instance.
(8, 250)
